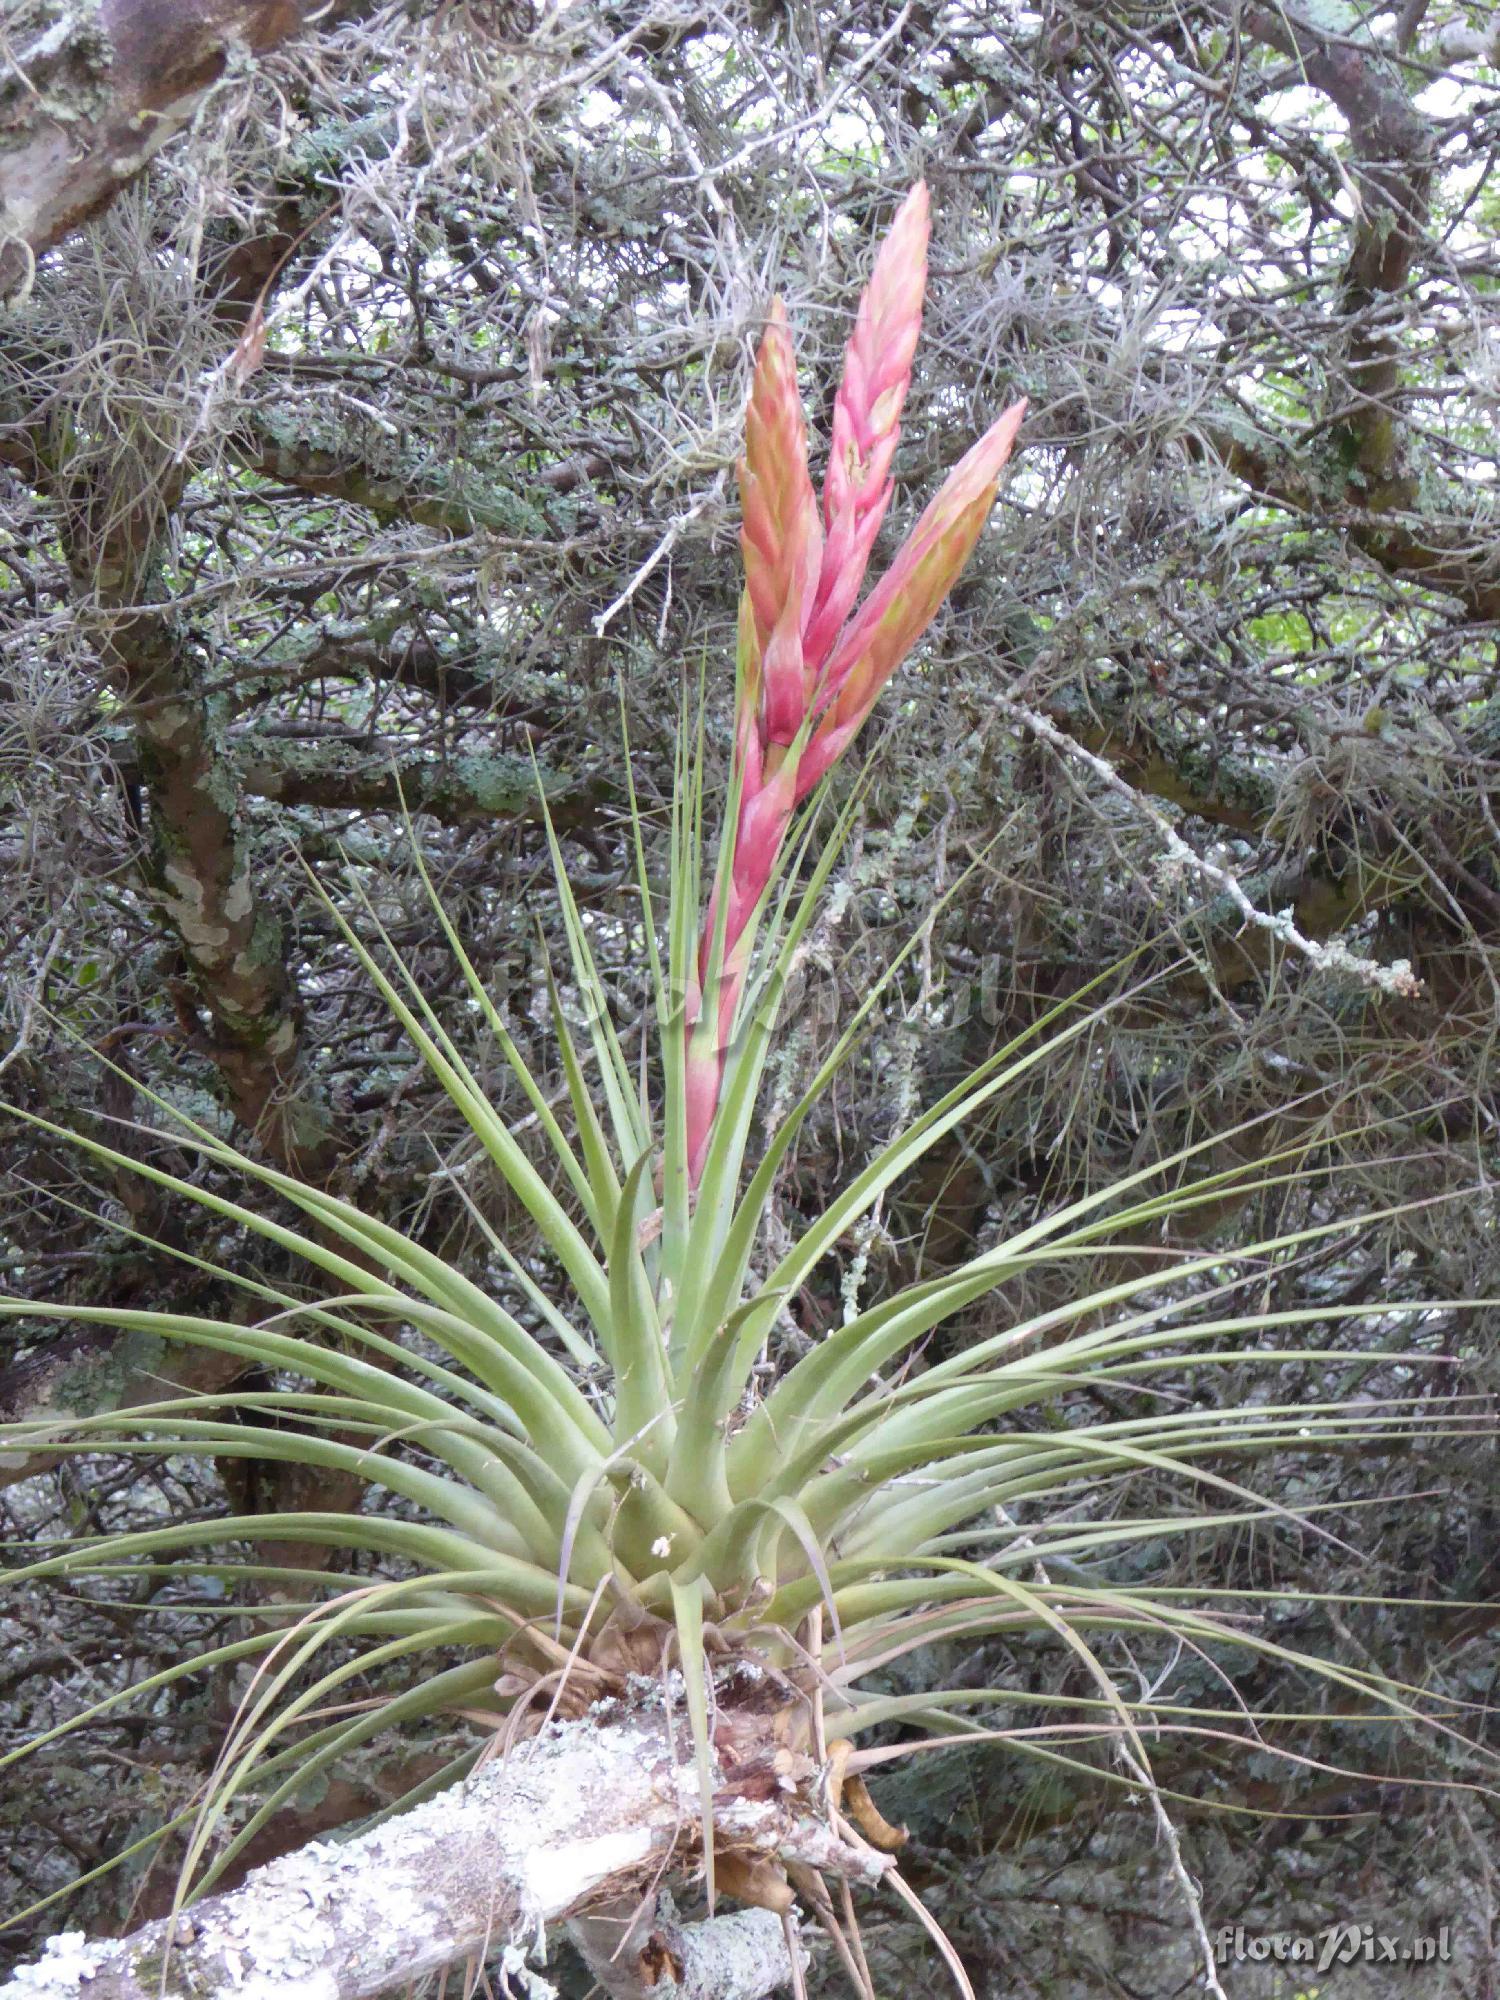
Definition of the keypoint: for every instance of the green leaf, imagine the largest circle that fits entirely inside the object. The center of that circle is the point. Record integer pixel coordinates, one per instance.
(687, 1612)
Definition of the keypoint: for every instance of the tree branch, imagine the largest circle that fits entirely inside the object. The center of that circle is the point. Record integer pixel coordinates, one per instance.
(100, 88)
(1156, 755)
(586, 1813)
(1462, 562)
(1397, 979)
(1393, 146)
(1363, 475)
(370, 776)
(643, 1953)
(113, 528)
(397, 478)
(362, 650)
(205, 874)
(95, 1369)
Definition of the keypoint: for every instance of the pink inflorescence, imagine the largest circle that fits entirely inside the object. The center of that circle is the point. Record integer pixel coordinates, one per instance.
(809, 671)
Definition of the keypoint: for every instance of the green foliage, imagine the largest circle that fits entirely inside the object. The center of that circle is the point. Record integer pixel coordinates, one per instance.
(622, 1468)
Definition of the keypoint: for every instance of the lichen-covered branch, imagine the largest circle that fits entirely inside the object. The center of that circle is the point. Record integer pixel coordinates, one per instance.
(1393, 145)
(93, 1369)
(114, 529)
(397, 476)
(1156, 754)
(366, 650)
(364, 777)
(1280, 925)
(585, 1814)
(1387, 524)
(1361, 470)
(644, 1953)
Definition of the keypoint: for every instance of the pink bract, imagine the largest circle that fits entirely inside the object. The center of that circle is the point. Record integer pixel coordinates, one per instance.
(809, 672)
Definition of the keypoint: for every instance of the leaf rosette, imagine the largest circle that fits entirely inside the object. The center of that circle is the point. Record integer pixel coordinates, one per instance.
(609, 1486)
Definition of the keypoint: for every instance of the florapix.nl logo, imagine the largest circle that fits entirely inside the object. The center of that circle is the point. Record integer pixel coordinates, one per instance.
(1335, 1944)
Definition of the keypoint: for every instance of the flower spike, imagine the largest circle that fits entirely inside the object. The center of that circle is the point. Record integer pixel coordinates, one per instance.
(780, 539)
(866, 417)
(809, 674)
(907, 598)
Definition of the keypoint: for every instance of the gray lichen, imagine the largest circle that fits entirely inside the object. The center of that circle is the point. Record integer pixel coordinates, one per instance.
(64, 75)
(67, 1961)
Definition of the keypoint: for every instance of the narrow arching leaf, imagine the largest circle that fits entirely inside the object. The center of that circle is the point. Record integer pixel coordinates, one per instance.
(687, 1613)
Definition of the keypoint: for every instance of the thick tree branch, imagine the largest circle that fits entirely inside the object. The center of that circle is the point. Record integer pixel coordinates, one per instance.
(1157, 755)
(201, 857)
(1385, 525)
(643, 1953)
(1363, 476)
(96, 89)
(402, 479)
(205, 874)
(1393, 147)
(586, 1814)
(91, 1369)
(373, 777)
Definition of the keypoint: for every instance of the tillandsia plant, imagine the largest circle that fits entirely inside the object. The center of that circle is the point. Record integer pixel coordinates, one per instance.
(605, 1481)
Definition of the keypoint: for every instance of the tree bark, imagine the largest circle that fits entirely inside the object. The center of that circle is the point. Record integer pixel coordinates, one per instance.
(587, 1814)
(99, 90)
(203, 858)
